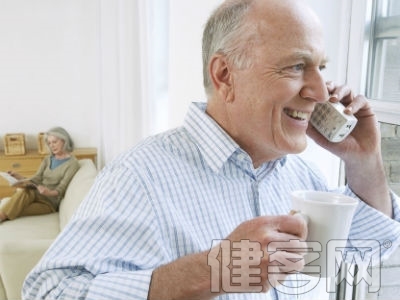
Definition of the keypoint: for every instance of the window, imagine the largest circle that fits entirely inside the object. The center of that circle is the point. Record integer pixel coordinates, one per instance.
(383, 80)
(374, 55)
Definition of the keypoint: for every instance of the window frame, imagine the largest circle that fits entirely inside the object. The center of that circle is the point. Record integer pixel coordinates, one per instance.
(358, 71)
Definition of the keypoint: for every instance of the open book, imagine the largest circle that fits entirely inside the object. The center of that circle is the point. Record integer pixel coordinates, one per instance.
(17, 182)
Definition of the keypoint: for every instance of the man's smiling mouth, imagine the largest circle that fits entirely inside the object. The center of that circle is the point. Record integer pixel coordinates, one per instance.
(298, 115)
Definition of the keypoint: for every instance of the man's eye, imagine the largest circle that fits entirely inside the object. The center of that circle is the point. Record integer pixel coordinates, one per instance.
(298, 67)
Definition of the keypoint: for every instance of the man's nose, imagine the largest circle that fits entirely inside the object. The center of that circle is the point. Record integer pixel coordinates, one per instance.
(315, 88)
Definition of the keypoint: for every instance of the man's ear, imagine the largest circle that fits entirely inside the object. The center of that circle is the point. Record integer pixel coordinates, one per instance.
(221, 77)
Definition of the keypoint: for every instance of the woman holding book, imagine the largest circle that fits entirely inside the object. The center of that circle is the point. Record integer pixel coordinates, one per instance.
(42, 193)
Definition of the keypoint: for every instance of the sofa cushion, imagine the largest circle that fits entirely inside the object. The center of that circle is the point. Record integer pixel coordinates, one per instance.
(77, 190)
(30, 228)
(19, 239)
(17, 258)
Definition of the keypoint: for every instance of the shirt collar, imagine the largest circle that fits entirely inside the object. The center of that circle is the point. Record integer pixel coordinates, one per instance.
(214, 143)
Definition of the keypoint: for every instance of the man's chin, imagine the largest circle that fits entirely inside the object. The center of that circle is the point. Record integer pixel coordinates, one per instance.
(298, 145)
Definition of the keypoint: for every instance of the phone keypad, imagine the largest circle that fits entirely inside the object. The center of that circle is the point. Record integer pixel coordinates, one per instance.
(330, 120)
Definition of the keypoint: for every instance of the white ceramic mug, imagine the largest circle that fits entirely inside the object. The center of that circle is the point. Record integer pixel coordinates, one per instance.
(329, 217)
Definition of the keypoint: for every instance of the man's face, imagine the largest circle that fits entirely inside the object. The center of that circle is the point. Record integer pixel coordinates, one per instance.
(274, 98)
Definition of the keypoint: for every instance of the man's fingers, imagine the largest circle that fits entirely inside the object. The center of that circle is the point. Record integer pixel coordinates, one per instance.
(341, 93)
(286, 262)
(295, 225)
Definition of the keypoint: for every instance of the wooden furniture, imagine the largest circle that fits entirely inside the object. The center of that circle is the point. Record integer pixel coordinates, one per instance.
(28, 164)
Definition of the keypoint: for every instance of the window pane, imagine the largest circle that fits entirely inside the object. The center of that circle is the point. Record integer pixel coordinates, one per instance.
(385, 84)
(384, 79)
(394, 8)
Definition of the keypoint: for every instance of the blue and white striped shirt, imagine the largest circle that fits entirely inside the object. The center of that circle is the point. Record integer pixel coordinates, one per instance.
(170, 196)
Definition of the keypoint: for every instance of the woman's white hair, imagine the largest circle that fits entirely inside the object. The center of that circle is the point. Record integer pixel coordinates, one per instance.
(61, 133)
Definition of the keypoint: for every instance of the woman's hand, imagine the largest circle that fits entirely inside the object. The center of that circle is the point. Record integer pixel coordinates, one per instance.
(15, 175)
(46, 191)
(42, 190)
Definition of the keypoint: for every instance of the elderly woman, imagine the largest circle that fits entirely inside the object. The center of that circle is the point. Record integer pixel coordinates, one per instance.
(42, 193)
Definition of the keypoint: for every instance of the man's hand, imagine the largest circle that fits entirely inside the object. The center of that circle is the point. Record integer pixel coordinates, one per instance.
(361, 150)
(189, 277)
(364, 141)
(280, 230)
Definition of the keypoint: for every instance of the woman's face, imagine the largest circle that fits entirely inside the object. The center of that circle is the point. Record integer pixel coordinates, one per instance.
(55, 144)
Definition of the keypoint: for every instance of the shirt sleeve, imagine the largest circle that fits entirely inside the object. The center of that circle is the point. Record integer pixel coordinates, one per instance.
(370, 224)
(108, 250)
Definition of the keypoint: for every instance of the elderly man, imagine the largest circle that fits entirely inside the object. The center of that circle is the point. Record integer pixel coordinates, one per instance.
(158, 217)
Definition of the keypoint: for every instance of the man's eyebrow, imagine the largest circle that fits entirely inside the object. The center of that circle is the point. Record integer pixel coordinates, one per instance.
(307, 56)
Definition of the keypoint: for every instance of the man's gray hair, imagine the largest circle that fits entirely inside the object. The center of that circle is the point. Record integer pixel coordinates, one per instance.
(61, 133)
(226, 33)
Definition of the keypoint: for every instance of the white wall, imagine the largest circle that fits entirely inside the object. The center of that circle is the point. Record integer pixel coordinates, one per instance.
(187, 20)
(49, 68)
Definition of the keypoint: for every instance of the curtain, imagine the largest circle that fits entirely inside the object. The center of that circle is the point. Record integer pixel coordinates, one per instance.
(123, 75)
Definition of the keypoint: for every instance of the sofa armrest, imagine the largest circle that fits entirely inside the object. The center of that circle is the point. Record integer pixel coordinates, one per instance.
(19, 258)
(77, 190)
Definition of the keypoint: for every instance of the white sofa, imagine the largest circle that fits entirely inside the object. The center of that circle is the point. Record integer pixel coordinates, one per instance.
(24, 240)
